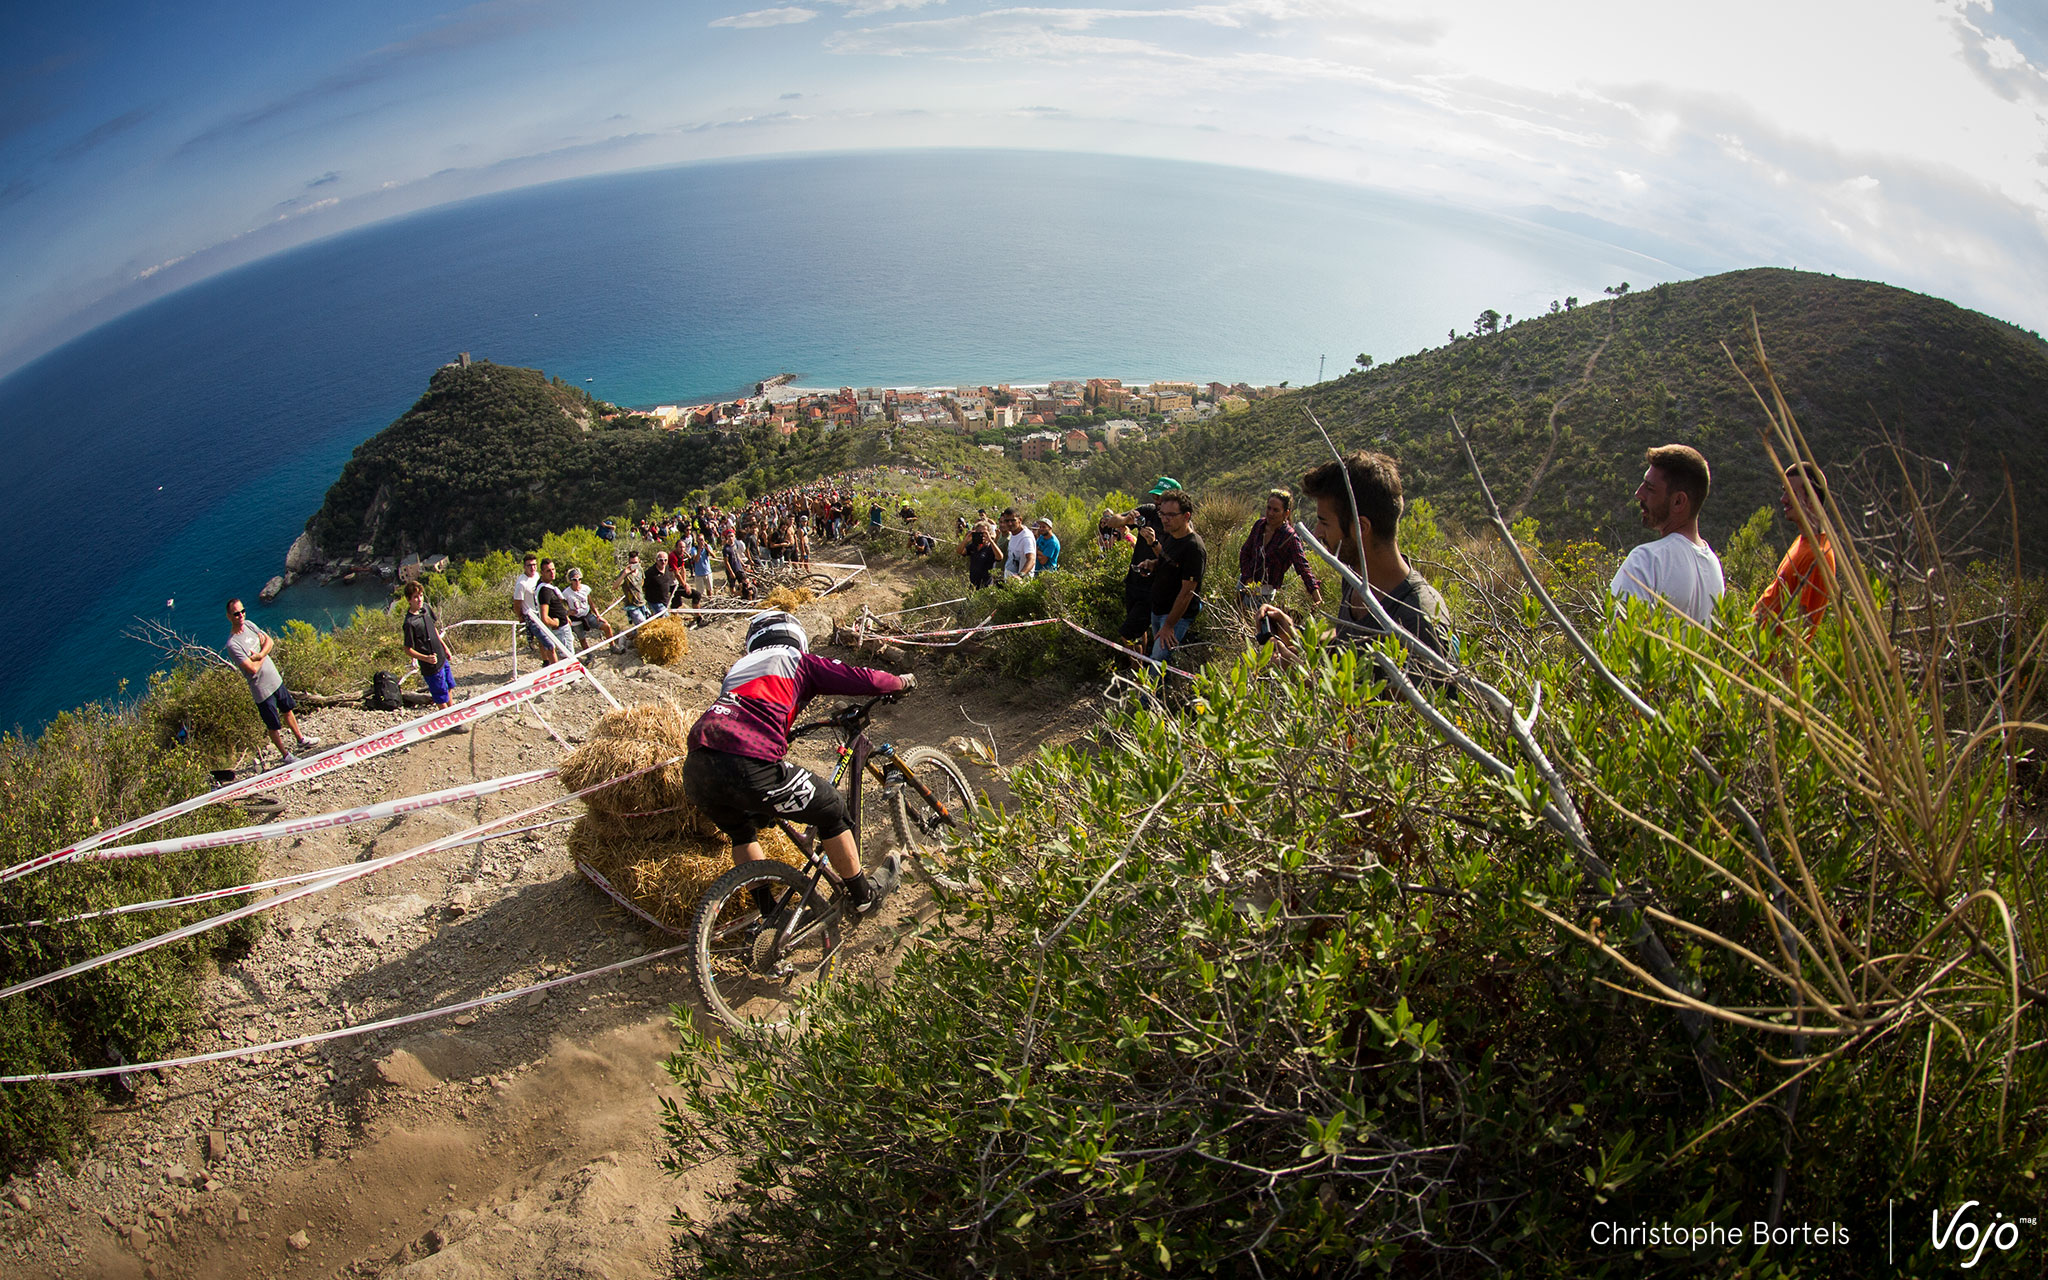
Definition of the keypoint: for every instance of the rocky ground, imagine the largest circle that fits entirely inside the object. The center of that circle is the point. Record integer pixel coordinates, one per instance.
(521, 1140)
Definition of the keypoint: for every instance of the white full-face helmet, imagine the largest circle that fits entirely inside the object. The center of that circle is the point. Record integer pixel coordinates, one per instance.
(776, 627)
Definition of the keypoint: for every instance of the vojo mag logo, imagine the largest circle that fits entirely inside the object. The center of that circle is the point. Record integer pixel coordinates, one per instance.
(1966, 1233)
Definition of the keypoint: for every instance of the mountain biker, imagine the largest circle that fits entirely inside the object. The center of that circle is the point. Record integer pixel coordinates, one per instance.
(735, 773)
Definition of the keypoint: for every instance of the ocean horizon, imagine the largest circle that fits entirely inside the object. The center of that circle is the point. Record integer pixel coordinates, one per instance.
(165, 460)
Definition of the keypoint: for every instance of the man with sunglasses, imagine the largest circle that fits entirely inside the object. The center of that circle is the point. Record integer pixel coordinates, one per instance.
(249, 648)
(1177, 570)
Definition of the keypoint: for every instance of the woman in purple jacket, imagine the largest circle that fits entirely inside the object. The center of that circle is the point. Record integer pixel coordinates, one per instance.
(1271, 549)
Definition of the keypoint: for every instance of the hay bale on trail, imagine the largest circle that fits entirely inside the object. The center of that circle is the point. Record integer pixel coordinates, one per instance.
(789, 598)
(680, 823)
(664, 641)
(626, 739)
(663, 877)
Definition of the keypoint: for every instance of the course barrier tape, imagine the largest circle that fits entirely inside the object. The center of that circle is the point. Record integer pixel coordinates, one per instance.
(355, 871)
(339, 1033)
(320, 822)
(259, 886)
(596, 877)
(340, 757)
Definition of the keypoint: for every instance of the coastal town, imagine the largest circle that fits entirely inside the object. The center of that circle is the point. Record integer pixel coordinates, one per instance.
(1029, 421)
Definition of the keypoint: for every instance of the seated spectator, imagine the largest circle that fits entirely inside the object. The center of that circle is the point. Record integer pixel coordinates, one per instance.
(1048, 545)
(1679, 567)
(581, 615)
(1800, 576)
(1270, 550)
(1372, 481)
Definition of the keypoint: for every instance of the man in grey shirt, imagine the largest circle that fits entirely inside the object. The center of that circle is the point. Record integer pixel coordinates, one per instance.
(249, 648)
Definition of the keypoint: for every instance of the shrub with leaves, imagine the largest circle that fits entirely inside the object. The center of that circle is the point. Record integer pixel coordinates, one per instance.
(91, 769)
(1289, 985)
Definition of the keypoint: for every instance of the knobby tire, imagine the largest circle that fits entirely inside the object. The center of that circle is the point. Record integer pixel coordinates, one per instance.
(933, 840)
(730, 951)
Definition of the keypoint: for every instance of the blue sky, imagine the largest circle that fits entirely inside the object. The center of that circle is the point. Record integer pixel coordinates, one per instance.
(147, 145)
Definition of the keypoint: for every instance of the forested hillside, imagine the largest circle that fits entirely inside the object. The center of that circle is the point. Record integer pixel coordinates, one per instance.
(495, 456)
(1855, 358)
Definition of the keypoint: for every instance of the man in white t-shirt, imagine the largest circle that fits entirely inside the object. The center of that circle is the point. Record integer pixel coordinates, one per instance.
(1022, 556)
(524, 589)
(1679, 567)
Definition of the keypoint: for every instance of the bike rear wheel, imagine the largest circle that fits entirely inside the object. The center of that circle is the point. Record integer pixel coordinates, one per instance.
(933, 831)
(750, 971)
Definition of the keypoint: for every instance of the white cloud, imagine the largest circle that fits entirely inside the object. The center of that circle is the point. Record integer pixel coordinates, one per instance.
(782, 17)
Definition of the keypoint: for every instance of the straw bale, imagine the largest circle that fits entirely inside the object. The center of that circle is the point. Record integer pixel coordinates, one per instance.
(788, 598)
(664, 641)
(663, 877)
(626, 739)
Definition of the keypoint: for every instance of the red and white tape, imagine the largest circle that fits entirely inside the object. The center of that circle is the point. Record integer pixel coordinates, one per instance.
(353, 872)
(259, 886)
(340, 757)
(320, 822)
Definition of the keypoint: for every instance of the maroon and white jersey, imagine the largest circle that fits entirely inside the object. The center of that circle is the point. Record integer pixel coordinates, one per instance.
(766, 689)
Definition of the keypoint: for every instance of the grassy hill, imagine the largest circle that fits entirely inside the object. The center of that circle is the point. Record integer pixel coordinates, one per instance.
(495, 456)
(1854, 358)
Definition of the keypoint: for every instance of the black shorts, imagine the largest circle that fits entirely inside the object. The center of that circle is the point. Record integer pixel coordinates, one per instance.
(272, 708)
(741, 795)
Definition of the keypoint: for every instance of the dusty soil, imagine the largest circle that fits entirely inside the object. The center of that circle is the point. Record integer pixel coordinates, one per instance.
(521, 1140)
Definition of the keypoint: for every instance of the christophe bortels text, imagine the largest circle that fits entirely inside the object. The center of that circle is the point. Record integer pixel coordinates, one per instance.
(1714, 1235)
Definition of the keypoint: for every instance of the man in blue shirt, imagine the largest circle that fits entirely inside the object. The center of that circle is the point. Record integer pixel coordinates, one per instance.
(1048, 545)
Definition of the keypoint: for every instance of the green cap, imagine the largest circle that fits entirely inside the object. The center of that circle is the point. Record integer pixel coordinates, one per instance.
(1162, 485)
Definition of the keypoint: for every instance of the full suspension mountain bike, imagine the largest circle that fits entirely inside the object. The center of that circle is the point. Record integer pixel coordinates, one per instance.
(751, 968)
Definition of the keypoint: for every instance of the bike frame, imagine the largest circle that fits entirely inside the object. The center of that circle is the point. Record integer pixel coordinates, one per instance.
(855, 752)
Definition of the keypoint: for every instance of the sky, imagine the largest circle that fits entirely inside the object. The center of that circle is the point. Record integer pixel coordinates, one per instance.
(145, 146)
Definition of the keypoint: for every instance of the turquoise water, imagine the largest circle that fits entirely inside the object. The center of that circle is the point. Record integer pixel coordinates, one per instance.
(174, 453)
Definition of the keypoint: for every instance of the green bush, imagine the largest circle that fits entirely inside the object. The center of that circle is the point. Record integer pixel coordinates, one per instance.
(91, 769)
(1749, 560)
(1284, 985)
(211, 706)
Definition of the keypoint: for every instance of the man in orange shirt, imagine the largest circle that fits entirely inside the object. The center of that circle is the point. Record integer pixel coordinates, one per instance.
(1800, 576)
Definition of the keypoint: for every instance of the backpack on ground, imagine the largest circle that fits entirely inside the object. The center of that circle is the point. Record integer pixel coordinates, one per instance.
(384, 692)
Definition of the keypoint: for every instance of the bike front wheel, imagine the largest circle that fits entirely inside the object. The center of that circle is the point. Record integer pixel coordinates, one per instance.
(752, 970)
(933, 828)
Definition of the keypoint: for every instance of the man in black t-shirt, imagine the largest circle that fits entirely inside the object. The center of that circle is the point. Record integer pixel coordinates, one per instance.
(1176, 574)
(1143, 521)
(554, 613)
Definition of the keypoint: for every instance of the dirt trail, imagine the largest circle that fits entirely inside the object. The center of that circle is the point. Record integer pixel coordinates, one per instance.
(521, 1141)
(1550, 451)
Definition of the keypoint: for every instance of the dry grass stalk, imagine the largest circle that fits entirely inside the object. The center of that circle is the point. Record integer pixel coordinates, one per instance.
(1914, 743)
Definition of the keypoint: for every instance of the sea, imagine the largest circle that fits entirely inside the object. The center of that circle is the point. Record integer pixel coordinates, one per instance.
(166, 460)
